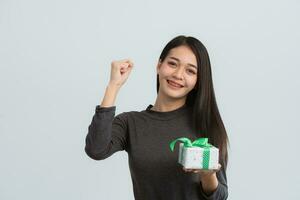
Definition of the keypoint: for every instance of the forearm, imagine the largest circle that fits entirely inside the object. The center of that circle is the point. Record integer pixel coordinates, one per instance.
(214, 186)
(209, 183)
(100, 129)
(110, 95)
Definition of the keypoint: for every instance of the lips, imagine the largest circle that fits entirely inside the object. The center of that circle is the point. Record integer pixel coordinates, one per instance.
(174, 83)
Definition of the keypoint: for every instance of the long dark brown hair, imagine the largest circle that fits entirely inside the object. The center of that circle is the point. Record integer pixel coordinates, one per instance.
(206, 117)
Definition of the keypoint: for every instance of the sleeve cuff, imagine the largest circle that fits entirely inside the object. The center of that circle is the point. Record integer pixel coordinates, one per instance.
(99, 109)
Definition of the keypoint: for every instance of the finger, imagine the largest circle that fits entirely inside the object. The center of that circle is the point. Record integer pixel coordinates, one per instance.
(129, 60)
(219, 167)
(208, 171)
(130, 63)
(129, 66)
(186, 170)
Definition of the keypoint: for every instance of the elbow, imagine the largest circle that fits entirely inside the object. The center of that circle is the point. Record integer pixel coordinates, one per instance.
(225, 191)
(94, 155)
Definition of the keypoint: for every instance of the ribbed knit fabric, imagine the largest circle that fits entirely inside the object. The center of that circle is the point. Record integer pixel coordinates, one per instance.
(145, 135)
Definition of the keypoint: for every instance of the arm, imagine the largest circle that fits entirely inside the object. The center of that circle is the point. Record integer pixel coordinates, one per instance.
(214, 186)
(110, 95)
(106, 133)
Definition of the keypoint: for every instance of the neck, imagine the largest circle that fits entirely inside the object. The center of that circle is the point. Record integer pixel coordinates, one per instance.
(165, 104)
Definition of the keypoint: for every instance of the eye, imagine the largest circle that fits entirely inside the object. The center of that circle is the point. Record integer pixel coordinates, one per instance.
(191, 71)
(171, 63)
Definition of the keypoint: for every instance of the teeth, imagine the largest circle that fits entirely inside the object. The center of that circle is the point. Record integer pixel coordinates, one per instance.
(175, 84)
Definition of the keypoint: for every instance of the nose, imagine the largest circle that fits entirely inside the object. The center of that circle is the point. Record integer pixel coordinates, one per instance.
(178, 73)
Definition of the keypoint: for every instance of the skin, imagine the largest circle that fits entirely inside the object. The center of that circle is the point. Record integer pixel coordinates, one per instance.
(168, 98)
(177, 66)
(178, 71)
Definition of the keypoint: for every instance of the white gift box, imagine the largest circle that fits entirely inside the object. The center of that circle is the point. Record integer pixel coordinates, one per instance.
(192, 157)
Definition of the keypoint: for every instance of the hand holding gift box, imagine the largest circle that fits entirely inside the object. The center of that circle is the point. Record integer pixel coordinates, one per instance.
(198, 154)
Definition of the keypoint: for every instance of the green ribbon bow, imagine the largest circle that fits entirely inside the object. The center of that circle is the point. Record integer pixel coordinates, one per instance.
(200, 142)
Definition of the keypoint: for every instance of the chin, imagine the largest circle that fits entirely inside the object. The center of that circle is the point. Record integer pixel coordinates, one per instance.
(175, 94)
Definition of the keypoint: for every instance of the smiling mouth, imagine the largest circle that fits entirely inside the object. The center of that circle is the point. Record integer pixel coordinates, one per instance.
(174, 84)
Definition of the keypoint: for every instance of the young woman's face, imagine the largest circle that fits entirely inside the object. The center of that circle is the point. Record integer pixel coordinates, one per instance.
(180, 66)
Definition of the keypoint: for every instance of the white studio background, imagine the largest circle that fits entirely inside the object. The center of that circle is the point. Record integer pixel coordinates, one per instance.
(55, 63)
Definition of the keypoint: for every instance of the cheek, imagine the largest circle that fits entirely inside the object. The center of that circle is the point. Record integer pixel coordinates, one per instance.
(191, 82)
(165, 71)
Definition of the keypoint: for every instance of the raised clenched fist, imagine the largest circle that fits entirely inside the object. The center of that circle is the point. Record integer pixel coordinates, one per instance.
(120, 70)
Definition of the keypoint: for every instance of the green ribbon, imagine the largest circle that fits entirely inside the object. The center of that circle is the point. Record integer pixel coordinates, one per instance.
(200, 142)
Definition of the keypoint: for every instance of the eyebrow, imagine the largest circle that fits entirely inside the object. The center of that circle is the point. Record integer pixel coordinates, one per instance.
(188, 63)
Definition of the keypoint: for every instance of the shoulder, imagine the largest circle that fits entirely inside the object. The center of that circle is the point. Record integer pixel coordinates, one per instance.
(128, 114)
(132, 117)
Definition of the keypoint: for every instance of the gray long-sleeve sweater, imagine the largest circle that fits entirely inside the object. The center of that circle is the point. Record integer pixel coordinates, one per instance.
(145, 135)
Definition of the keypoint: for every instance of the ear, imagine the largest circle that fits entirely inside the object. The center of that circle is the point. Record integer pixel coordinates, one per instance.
(158, 66)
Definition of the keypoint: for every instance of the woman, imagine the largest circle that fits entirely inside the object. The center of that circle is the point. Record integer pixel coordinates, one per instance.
(185, 107)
